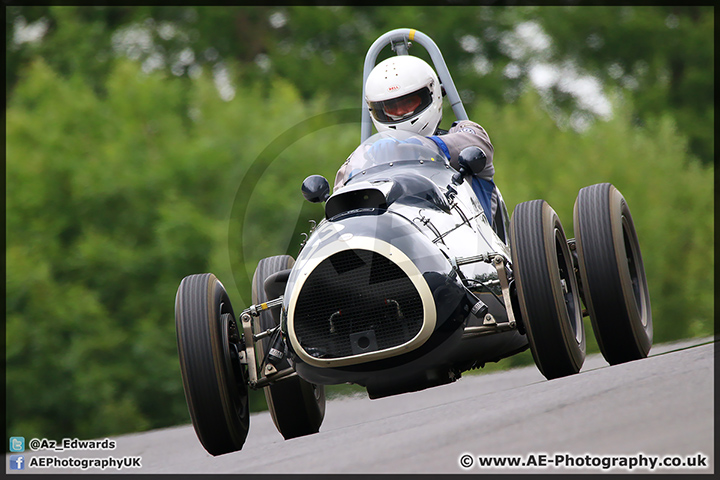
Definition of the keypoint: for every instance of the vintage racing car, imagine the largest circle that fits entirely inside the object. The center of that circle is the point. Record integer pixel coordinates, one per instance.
(406, 284)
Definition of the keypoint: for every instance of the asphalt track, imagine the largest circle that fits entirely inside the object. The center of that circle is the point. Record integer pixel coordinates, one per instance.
(660, 407)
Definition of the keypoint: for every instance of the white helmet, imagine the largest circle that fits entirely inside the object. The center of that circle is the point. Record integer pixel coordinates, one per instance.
(404, 93)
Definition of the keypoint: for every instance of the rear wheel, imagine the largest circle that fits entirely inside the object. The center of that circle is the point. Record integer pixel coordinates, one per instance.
(547, 289)
(612, 274)
(297, 407)
(214, 380)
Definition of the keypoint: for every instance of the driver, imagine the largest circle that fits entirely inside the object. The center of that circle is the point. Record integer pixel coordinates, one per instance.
(404, 93)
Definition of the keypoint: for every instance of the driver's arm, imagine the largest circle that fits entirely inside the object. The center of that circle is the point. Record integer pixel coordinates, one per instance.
(466, 133)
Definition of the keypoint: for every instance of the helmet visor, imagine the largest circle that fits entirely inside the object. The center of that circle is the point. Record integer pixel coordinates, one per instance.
(401, 108)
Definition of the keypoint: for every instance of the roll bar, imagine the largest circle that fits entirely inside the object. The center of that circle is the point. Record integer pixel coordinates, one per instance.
(399, 40)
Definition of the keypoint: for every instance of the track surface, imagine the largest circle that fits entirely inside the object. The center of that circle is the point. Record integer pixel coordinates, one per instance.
(659, 406)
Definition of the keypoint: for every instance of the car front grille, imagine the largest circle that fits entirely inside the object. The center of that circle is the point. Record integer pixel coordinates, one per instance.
(354, 302)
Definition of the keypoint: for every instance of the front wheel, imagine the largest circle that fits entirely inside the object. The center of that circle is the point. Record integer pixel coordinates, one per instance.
(296, 406)
(214, 380)
(612, 274)
(547, 289)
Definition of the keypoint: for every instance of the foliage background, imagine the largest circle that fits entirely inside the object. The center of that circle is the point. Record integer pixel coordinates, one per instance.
(130, 129)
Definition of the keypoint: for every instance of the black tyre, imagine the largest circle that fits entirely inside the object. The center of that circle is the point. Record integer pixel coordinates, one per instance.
(547, 289)
(297, 407)
(612, 274)
(213, 378)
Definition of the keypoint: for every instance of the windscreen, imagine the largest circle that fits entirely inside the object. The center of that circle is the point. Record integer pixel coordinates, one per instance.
(388, 147)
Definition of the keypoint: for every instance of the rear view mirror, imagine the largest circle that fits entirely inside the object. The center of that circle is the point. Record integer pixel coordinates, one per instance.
(316, 189)
(472, 161)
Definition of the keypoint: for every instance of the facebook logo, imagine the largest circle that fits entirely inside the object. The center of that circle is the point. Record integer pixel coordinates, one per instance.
(17, 462)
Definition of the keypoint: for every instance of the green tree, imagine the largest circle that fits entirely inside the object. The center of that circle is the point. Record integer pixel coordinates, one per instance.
(670, 194)
(112, 199)
(660, 58)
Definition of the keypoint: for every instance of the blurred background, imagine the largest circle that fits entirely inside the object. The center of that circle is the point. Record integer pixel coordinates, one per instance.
(144, 144)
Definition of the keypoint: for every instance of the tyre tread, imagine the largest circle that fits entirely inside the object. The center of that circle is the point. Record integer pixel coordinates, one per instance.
(602, 283)
(202, 381)
(539, 310)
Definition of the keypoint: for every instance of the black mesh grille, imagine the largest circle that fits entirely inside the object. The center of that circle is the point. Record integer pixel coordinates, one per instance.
(354, 302)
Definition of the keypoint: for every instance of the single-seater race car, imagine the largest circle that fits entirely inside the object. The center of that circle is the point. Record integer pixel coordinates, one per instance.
(406, 284)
